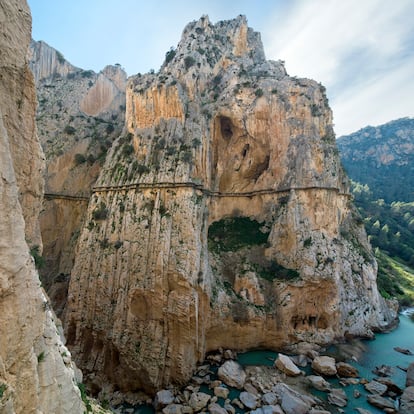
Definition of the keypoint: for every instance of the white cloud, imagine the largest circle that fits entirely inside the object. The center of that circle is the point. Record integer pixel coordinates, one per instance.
(360, 50)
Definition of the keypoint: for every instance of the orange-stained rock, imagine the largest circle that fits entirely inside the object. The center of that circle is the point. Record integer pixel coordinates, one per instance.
(221, 218)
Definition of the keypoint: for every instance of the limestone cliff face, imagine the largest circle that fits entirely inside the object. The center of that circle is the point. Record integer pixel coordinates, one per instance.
(221, 218)
(36, 372)
(79, 115)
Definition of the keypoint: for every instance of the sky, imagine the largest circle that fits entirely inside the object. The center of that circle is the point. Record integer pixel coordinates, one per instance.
(362, 51)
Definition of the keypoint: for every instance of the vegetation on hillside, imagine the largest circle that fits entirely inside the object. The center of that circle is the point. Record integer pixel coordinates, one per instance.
(380, 160)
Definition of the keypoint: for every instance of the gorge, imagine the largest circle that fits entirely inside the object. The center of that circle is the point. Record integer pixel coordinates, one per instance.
(200, 207)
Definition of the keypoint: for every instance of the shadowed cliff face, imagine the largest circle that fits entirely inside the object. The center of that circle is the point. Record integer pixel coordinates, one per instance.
(79, 115)
(36, 372)
(220, 218)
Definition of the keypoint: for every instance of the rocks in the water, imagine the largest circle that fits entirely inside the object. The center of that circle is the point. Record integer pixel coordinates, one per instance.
(249, 400)
(268, 409)
(380, 402)
(356, 393)
(402, 350)
(250, 388)
(375, 387)
(300, 360)
(269, 398)
(392, 388)
(229, 408)
(232, 374)
(382, 371)
(410, 375)
(346, 370)
(175, 409)
(199, 400)
(407, 401)
(338, 397)
(291, 400)
(286, 365)
(221, 392)
(324, 365)
(319, 383)
(214, 408)
(163, 398)
(362, 411)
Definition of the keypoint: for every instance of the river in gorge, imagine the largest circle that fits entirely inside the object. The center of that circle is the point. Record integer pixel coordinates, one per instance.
(367, 355)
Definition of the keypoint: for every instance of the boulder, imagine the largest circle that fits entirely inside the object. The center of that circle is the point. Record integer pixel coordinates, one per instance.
(229, 408)
(286, 365)
(407, 401)
(324, 365)
(363, 411)
(250, 388)
(173, 409)
(214, 408)
(221, 392)
(300, 360)
(163, 398)
(382, 371)
(291, 400)
(391, 386)
(268, 409)
(232, 374)
(199, 400)
(402, 350)
(375, 387)
(269, 398)
(410, 375)
(346, 370)
(319, 383)
(380, 402)
(249, 400)
(338, 397)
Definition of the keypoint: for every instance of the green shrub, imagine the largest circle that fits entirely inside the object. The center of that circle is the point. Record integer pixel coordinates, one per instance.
(127, 150)
(232, 234)
(189, 61)
(79, 159)
(3, 387)
(169, 56)
(259, 92)
(100, 212)
(69, 130)
(38, 259)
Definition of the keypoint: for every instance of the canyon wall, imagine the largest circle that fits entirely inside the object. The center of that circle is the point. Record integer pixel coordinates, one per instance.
(79, 115)
(221, 218)
(36, 372)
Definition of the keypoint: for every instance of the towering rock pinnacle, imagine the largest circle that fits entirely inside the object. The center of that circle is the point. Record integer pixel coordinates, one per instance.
(221, 218)
(36, 372)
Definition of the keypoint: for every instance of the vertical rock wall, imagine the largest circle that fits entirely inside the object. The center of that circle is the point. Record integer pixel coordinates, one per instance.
(36, 372)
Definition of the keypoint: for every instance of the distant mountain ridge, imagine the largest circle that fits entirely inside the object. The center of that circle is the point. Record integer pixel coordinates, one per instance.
(380, 163)
(383, 158)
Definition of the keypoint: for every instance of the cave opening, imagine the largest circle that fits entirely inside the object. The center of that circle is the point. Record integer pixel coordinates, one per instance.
(226, 127)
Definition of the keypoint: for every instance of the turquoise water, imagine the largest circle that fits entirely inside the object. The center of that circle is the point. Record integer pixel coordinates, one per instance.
(376, 353)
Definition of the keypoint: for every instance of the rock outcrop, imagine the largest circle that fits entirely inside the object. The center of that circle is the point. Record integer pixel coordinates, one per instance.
(36, 372)
(221, 218)
(80, 113)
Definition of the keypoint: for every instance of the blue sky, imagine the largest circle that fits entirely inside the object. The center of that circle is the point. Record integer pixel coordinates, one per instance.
(361, 50)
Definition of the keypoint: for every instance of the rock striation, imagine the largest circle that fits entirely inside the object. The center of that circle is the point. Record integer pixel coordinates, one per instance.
(79, 115)
(221, 218)
(36, 371)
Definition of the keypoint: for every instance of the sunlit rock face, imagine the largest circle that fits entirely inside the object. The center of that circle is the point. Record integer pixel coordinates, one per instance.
(36, 372)
(221, 218)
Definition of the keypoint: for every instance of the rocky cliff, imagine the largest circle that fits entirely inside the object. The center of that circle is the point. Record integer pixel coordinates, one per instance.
(221, 218)
(383, 158)
(79, 115)
(36, 372)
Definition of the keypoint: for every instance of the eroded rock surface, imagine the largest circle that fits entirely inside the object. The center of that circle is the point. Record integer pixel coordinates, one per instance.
(36, 372)
(78, 117)
(221, 218)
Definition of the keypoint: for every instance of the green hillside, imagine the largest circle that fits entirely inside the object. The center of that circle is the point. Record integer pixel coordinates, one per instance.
(380, 163)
